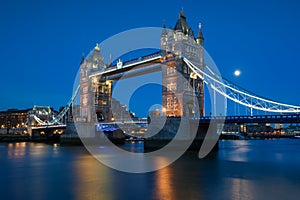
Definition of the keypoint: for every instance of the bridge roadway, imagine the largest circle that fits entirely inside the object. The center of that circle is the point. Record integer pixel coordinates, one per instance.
(262, 119)
(139, 66)
(58, 126)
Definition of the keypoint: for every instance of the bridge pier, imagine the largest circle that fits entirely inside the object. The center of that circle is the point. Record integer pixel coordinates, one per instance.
(45, 133)
(189, 130)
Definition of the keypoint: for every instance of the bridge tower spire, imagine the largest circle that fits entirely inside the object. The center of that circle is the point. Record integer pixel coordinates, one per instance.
(163, 37)
(200, 38)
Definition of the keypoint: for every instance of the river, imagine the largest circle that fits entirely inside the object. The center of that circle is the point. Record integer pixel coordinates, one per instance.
(240, 169)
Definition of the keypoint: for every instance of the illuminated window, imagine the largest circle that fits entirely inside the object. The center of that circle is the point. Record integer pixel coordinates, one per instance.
(199, 85)
(168, 106)
(84, 102)
(171, 71)
(185, 70)
(175, 107)
(171, 86)
(95, 65)
(85, 90)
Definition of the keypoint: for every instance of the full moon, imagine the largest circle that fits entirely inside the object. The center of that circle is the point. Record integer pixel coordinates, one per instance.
(237, 72)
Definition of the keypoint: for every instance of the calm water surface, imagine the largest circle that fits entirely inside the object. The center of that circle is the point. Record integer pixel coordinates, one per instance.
(250, 169)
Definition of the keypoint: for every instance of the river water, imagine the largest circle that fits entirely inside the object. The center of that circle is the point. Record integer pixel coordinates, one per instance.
(240, 169)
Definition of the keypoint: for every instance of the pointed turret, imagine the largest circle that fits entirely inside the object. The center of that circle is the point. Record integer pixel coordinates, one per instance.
(82, 59)
(97, 48)
(163, 38)
(181, 14)
(200, 38)
(164, 30)
(95, 60)
(182, 25)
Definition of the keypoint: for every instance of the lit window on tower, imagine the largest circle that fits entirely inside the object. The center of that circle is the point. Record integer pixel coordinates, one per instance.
(171, 86)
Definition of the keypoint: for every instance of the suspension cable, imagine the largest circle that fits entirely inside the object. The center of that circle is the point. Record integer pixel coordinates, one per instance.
(247, 98)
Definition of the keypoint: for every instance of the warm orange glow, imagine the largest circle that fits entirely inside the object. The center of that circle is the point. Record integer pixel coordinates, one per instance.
(17, 149)
(87, 167)
(60, 131)
(164, 184)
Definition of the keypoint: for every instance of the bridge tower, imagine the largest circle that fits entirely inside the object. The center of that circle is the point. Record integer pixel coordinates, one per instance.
(176, 43)
(90, 87)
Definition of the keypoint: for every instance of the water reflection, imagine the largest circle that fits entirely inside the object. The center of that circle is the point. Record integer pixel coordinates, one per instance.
(92, 179)
(264, 170)
(163, 185)
(16, 150)
(240, 188)
(239, 151)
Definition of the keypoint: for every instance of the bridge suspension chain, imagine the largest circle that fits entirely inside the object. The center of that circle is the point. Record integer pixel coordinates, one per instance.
(56, 119)
(238, 94)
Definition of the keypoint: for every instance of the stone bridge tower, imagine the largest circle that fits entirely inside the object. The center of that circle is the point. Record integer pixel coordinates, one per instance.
(176, 43)
(94, 62)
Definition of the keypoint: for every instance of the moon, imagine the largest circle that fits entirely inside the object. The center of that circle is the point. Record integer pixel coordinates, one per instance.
(237, 72)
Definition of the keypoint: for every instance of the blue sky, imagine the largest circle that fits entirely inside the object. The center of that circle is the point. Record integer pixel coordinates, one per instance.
(42, 42)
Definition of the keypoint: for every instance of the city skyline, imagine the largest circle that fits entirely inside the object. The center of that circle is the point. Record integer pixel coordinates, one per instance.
(39, 65)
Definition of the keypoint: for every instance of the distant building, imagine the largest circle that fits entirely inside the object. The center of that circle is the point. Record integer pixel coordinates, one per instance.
(16, 121)
(13, 119)
(247, 128)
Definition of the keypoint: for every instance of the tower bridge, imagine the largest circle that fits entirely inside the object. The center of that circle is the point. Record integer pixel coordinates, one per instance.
(97, 78)
(181, 54)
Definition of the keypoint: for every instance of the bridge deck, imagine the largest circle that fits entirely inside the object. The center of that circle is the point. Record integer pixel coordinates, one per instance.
(253, 119)
(284, 119)
(140, 64)
(61, 126)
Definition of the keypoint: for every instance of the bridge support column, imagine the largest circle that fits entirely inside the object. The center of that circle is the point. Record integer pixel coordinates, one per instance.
(170, 130)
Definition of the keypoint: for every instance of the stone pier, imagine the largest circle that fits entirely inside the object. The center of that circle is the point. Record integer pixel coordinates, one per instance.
(187, 128)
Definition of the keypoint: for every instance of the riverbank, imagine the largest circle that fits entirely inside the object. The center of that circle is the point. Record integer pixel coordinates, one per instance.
(256, 136)
(14, 138)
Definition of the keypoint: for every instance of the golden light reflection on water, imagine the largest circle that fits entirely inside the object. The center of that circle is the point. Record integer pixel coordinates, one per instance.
(91, 176)
(16, 150)
(164, 183)
(241, 188)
